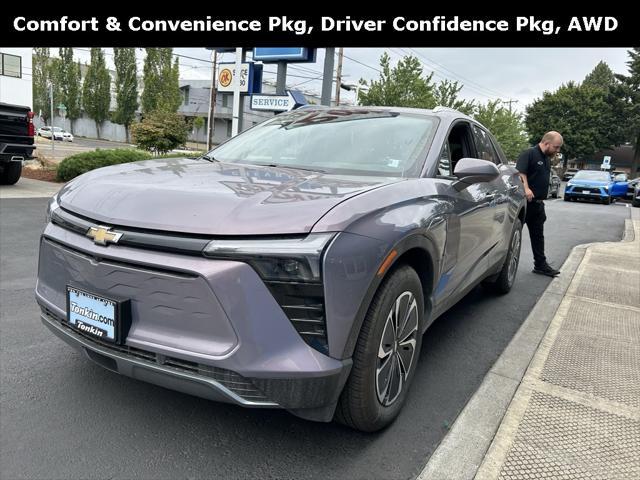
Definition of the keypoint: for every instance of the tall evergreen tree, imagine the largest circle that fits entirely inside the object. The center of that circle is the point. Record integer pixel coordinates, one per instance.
(96, 91)
(40, 68)
(600, 77)
(126, 86)
(69, 80)
(161, 85)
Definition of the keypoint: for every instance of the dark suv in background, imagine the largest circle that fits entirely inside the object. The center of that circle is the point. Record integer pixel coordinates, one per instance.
(295, 266)
(16, 141)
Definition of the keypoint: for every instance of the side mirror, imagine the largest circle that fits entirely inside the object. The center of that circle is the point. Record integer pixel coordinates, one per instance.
(474, 170)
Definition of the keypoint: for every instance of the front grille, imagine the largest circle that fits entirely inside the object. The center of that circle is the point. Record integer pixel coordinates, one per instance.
(233, 381)
(585, 189)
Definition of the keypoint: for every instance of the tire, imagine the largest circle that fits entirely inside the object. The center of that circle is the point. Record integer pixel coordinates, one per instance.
(371, 400)
(607, 201)
(505, 279)
(11, 173)
(566, 199)
(635, 202)
(555, 193)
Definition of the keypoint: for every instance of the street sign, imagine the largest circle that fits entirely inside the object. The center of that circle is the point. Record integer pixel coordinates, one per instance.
(606, 163)
(278, 103)
(290, 54)
(250, 77)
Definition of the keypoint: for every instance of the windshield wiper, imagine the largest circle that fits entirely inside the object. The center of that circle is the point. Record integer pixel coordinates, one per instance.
(295, 167)
(209, 158)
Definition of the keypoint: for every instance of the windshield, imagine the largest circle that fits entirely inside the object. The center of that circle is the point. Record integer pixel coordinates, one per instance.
(358, 142)
(57, 129)
(592, 175)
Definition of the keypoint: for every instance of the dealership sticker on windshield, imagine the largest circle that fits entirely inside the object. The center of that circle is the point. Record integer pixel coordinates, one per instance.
(96, 316)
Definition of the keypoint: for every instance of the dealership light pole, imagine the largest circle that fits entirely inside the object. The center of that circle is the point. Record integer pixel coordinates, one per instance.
(53, 147)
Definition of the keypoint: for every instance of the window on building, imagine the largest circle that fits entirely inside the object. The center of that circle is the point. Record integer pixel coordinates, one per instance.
(225, 100)
(186, 95)
(228, 128)
(11, 65)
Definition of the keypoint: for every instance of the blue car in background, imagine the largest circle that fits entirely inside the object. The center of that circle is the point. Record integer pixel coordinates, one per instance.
(594, 185)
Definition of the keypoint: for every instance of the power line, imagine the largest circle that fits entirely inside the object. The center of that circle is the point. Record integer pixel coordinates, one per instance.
(457, 75)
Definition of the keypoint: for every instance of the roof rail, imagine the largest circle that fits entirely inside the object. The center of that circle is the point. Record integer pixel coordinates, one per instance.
(440, 108)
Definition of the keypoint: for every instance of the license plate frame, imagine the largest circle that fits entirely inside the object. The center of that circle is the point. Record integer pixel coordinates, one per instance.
(102, 318)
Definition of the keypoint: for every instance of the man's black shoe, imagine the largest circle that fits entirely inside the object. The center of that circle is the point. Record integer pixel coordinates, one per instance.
(547, 270)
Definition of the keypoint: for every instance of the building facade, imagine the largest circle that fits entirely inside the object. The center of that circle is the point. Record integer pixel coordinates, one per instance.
(16, 76)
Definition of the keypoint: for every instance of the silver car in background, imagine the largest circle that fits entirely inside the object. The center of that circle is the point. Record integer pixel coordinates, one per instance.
(295, 266)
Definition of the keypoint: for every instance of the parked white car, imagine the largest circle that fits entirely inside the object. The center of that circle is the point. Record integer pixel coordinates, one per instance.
(58, 133)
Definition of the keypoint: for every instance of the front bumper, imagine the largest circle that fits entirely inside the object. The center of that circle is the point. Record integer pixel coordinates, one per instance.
(591, 193)
(204, 327)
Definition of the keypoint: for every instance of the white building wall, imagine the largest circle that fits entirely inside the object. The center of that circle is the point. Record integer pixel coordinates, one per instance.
(18, 91)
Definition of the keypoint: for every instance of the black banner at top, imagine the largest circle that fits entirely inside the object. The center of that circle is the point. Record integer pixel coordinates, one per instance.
(197, 30)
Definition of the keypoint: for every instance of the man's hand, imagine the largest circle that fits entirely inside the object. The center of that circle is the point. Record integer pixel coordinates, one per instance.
(528, 193)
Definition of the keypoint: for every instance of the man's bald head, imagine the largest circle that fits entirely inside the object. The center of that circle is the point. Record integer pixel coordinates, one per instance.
(551, 143)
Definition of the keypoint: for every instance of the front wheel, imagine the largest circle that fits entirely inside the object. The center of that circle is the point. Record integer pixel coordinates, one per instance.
(386, 354)
(503, 283)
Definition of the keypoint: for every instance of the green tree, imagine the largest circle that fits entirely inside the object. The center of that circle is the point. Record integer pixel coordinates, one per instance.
(198, 124)
(446, 95)
(506, 125)
(630, 94)
(96, 92)
(69, 81)
(161, 85)
(40, 69)
(400, 86)
(160, 131)
(600, 77)
(126, 86)
(582, 114)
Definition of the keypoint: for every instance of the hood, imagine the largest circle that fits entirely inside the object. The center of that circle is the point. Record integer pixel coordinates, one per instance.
(196, 196)
(588, 183)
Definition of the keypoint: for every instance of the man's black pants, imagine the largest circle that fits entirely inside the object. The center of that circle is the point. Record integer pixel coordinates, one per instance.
(535, 223)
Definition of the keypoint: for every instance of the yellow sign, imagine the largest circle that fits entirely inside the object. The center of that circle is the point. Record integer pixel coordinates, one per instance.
(225, 77)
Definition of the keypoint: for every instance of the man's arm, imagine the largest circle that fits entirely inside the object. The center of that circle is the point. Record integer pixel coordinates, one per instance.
(522, 165)
(527, 191)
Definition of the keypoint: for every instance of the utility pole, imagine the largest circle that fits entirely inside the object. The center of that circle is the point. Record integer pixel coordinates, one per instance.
(327, 79)
(339, 76)
(281, 82)
(238, 103)
(212, 103)
(509, 102)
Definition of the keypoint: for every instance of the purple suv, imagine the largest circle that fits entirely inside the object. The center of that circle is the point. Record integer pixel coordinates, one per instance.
(295, 266)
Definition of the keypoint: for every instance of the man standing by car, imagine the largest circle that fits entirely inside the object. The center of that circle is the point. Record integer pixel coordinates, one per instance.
(534, 166)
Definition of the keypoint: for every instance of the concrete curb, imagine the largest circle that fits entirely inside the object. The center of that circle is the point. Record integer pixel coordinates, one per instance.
(462, 451)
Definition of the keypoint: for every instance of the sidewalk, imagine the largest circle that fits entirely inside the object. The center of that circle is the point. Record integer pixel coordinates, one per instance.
(572, 412)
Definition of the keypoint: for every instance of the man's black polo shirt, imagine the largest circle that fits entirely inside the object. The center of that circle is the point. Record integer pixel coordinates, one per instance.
(537, 167)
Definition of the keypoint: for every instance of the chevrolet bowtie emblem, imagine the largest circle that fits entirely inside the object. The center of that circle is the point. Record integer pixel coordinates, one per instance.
(103, 235)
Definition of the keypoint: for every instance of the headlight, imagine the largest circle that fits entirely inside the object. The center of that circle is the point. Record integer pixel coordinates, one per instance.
(569, 184)
(286, 259)
(51, 206)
